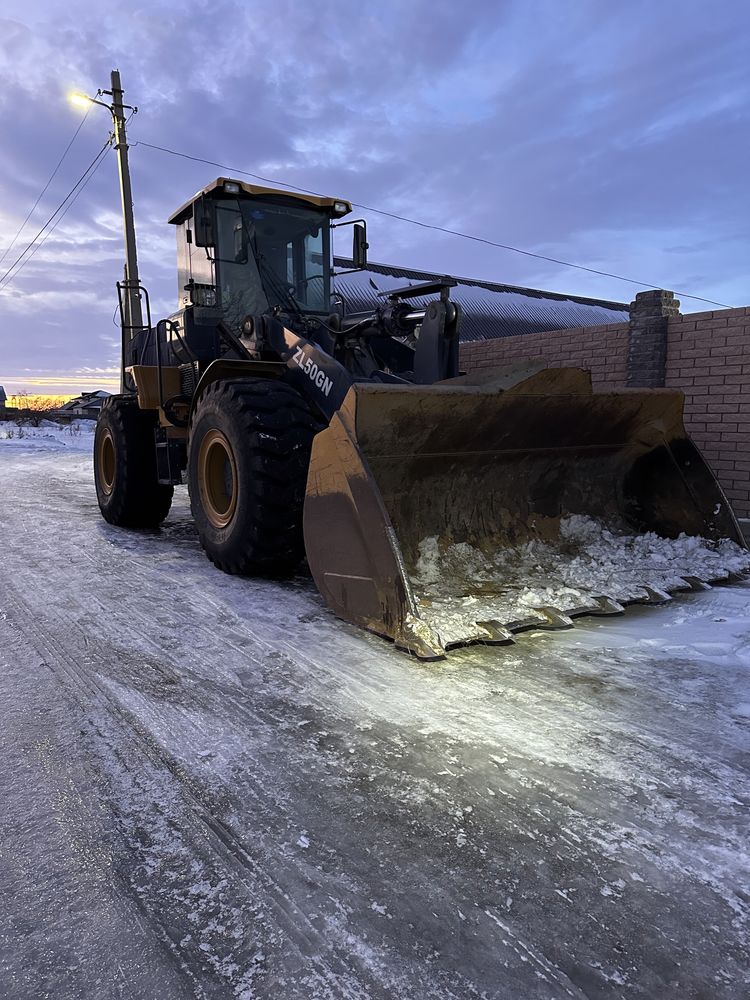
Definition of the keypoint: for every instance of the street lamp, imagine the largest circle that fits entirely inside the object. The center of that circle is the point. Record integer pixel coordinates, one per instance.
(83, 101)
(133, 319)
(80, 100)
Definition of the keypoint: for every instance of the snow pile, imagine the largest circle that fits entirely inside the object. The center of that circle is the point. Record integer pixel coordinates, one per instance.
(78, 435)
(459, 585)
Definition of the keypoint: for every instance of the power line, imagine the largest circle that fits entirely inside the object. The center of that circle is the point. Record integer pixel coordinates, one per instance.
(4, 280)
(100, 159)
(44, 189)
(427, 225)
(93, 167)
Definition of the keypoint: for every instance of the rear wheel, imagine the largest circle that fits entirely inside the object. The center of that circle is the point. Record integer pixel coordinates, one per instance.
(127, 487)
(249, 454)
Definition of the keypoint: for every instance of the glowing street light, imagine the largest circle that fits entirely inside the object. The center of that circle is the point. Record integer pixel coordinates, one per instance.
(80, 100)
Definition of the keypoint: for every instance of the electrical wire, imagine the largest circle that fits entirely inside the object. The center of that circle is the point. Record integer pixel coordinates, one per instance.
(44, 189)
(427, 225)
(6, 277)
(72, 202)
(91, 170)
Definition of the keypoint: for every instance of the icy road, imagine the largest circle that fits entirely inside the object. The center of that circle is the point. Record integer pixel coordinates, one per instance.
(209, 787)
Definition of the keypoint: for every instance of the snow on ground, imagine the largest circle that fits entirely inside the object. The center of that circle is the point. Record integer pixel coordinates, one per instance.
(78, 435)
(213, 788)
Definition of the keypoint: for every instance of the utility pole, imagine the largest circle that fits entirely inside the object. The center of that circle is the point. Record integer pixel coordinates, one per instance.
(133, 319)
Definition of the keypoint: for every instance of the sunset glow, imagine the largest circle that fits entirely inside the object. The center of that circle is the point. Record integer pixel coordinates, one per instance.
(62, 384)
(37, 401)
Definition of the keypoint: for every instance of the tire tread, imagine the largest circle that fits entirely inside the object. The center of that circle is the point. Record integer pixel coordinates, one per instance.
(276, 427)
(138, 500)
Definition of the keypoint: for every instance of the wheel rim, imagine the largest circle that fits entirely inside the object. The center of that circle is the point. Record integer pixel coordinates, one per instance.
(106, 461)
(217, 478)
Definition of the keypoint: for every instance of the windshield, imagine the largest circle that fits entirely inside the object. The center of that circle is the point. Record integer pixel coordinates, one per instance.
(271, 255)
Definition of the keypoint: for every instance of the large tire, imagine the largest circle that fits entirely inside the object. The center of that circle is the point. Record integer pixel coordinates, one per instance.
(249, 455)
(127, 487)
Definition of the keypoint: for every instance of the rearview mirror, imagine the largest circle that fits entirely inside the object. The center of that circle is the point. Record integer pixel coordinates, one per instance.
(360, 245)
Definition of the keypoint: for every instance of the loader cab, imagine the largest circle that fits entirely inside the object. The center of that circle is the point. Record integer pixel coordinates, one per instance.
(244, 249)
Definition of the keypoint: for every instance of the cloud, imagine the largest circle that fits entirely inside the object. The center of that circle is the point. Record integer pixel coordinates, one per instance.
(611, 135)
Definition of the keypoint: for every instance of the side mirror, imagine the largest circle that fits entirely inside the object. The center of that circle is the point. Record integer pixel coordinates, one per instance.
(360, 245)
(203, 223)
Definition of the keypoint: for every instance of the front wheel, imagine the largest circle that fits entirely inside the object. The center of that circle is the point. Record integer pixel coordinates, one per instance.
(127, 486)
(249, 455)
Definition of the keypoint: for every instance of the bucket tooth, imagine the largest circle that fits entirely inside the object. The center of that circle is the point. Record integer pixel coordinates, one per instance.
(654, 595)
(553, 618)
(606, 606)
(635, 595)
(415, 636)
(532, 621)
(497, 634)
(720, 576)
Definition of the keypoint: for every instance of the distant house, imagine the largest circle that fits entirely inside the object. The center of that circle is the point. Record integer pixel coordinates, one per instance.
(3, 401)
(86, 405)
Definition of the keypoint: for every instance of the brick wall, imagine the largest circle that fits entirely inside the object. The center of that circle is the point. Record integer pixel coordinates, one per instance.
(601, 349)
(708, 357)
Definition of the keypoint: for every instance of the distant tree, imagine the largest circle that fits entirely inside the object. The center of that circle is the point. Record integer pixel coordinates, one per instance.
(33, 408)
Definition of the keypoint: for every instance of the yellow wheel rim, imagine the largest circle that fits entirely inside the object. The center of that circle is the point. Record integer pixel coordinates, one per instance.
(105, 460)
(217, 478)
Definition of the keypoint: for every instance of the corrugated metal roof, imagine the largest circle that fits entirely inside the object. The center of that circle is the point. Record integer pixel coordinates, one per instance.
(490, 310)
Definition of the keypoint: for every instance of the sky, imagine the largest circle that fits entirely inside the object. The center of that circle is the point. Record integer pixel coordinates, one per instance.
(615, 136)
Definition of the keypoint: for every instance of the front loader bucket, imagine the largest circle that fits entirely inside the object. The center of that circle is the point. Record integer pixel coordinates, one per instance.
(464, 512)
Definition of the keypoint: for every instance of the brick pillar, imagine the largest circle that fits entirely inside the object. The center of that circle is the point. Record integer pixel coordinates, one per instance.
(647, 338)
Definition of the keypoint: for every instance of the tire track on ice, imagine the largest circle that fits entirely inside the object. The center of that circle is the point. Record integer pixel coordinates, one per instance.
(333, 976)
(76, 815)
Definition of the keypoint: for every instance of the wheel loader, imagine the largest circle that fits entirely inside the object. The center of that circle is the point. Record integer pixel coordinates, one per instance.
(433, 507)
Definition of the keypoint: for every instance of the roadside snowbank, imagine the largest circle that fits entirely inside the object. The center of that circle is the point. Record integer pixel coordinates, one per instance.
(75, 436)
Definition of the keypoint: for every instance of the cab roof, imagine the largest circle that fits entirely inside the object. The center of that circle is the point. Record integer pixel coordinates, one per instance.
(336, 206)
